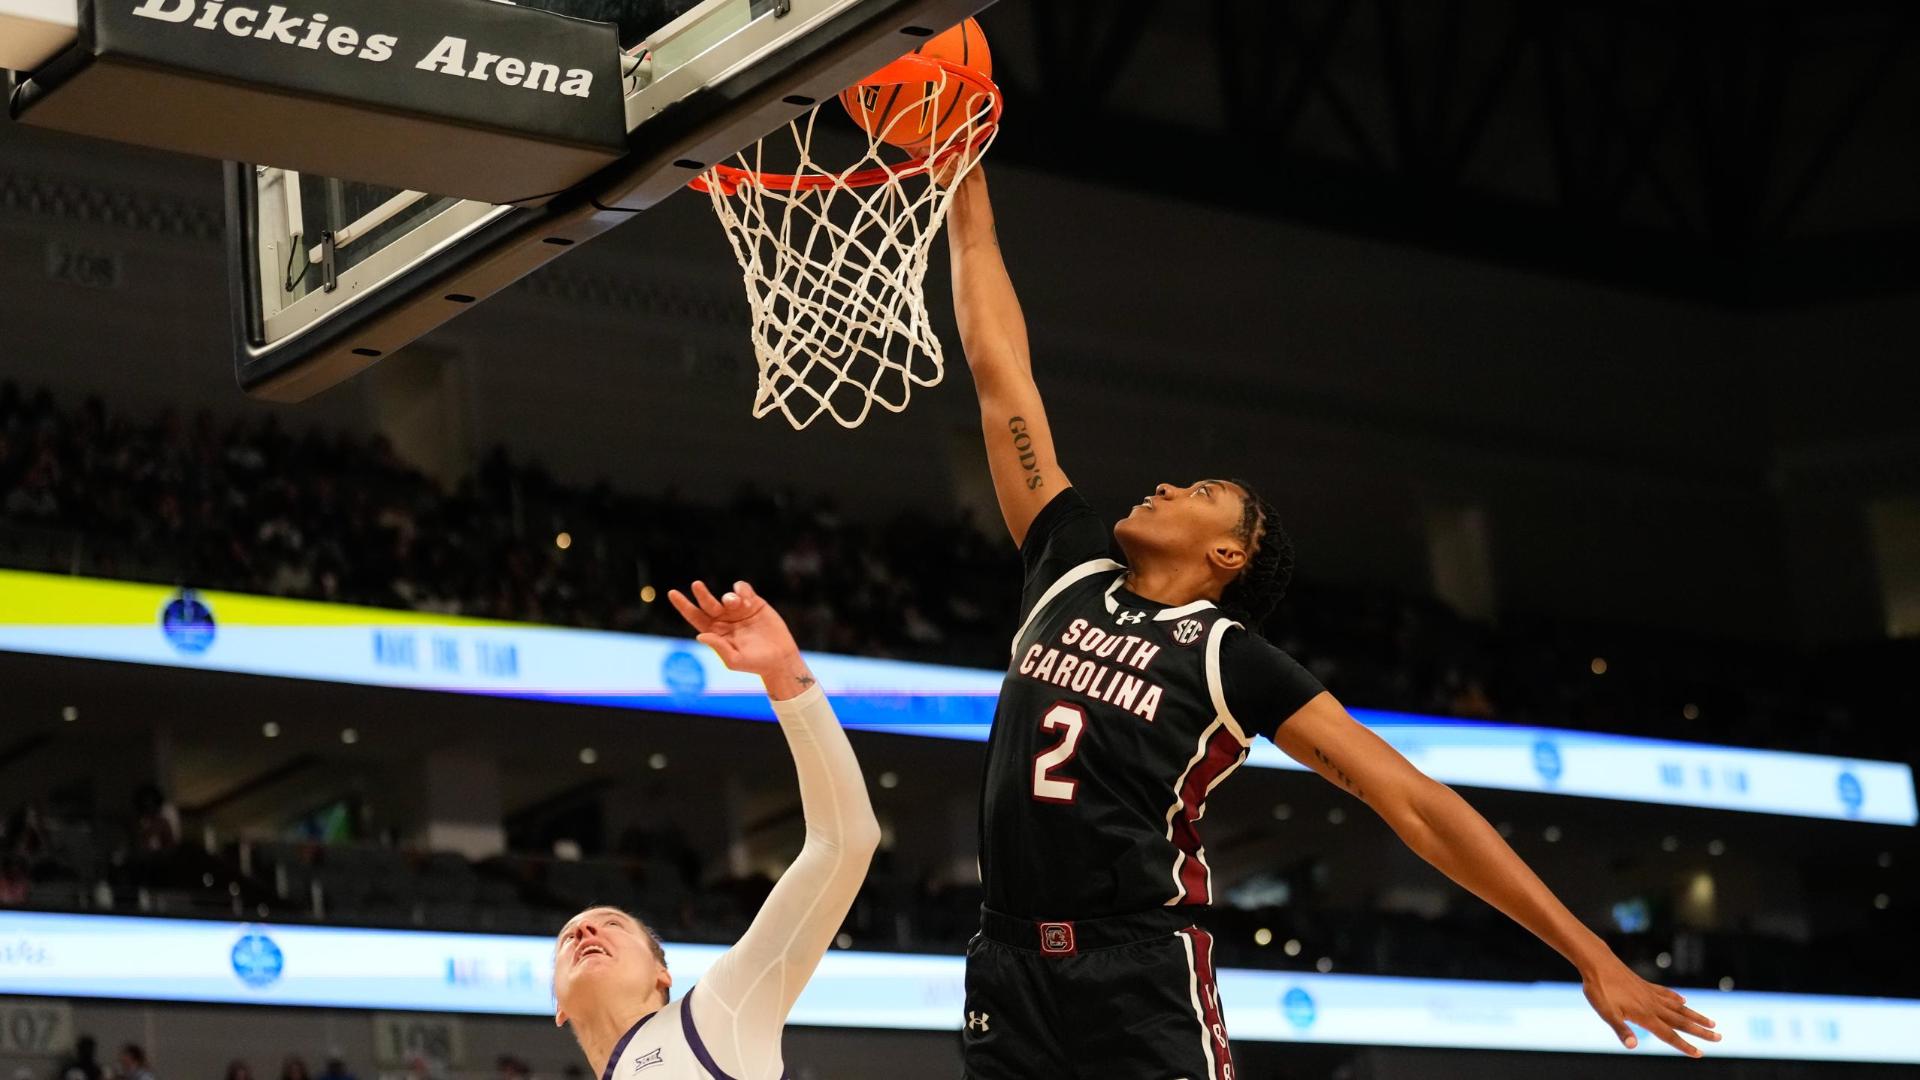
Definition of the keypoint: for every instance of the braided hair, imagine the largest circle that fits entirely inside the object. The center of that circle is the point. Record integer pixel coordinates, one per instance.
(1252, 596)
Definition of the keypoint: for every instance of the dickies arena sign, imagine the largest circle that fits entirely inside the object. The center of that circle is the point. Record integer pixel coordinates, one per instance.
(276, 25)
(457, 97)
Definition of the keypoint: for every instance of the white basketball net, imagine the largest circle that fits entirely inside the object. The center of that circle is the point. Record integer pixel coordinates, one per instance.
(835, 271)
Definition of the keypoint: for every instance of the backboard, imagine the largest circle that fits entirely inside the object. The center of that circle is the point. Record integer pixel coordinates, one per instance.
(328, 276)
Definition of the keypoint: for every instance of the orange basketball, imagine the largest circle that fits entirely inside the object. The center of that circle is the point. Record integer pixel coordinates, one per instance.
(909, 114)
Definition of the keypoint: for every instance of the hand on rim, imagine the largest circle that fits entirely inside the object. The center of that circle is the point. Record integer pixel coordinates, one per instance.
(952, 169)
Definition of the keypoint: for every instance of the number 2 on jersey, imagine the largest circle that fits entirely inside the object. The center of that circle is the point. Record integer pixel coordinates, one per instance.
(1071, 721)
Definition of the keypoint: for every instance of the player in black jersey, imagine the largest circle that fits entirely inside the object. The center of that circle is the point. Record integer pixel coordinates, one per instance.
(1135, 688)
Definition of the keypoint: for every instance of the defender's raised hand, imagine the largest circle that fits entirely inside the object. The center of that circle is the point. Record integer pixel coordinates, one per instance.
(742, 628)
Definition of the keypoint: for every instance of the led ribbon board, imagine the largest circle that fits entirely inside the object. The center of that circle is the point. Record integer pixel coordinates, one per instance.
(145, 959)
(208, 631)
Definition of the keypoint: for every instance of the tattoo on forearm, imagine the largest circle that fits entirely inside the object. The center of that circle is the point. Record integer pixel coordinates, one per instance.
(805, 679)
(1029, 460)
(1345, 780)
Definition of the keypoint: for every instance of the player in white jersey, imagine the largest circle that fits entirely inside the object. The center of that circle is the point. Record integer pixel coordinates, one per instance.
(610, 977)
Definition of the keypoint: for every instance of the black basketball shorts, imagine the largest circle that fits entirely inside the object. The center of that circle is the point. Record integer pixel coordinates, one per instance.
(1125, 998)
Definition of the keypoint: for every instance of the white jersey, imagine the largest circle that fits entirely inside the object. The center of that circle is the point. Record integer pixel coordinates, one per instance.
(668, 1046)
(728, 1026)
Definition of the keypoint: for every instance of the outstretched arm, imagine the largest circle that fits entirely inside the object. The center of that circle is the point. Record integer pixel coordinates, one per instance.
(743, 1000)
(994, 334)
(1441, 828)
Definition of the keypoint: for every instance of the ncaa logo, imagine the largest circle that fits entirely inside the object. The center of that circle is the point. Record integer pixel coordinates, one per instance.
(1299, 1008)
(1852, 795)
(683, 674)
(1186, 631)
(187, 623)
(257, 961)
(1546, 761)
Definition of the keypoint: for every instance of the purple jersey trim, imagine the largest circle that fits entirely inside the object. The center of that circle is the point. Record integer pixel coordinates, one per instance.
(700, 1048)
(621, 1046)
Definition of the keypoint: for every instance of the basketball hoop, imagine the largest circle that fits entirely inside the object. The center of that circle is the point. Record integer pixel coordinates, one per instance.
(835, 261)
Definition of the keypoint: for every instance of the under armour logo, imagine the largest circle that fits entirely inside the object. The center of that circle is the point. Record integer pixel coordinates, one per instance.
(649, 1061)
(1131, 618)
(976, 1021)
(1187, 631)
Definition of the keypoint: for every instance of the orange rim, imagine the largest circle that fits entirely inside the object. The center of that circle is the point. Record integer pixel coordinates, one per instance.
(910, 68)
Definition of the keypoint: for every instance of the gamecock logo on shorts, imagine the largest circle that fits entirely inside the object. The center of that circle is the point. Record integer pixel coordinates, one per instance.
(1057, 938)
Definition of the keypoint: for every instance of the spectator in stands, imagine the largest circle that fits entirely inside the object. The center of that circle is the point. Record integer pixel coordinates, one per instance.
(238, 1070)
(512, 1068)
(294, 1068)
(885, 905)
(83, 1064)
(156, 823)
(16, 883)
(154, 861)
(1469, 698)
(336, 1070)
(33, 499)
(133, 1063)
(23, 835)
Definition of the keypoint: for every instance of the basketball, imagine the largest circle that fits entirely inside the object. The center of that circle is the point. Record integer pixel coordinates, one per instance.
(910, 114)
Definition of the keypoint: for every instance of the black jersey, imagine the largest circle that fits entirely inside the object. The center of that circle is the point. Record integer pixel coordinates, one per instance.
(1117, 718)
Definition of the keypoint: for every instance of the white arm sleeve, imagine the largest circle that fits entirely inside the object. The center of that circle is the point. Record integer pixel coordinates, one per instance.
(743, 1001)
